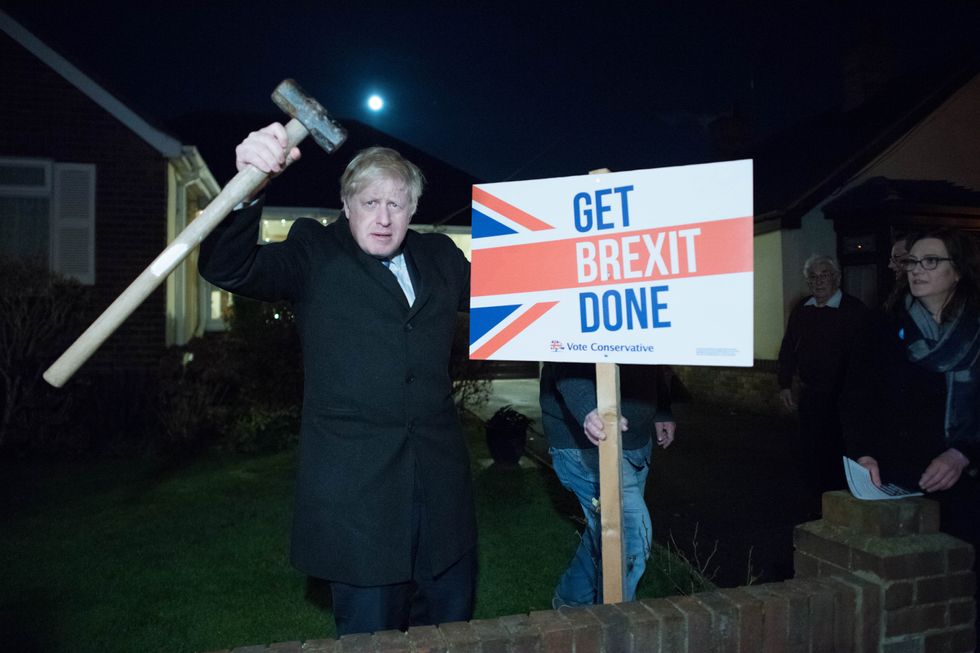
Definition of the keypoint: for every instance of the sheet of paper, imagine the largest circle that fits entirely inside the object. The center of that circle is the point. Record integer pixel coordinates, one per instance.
(859, 482)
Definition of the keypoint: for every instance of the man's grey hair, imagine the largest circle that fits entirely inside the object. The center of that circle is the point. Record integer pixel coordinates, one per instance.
(821, 258)
(376, 163)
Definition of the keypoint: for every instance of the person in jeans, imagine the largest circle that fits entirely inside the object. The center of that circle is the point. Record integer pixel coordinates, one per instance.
(573, 429)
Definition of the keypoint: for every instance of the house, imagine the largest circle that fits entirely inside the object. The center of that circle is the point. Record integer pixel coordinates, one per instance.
(95, 191)
(108, 190)
(846, 183)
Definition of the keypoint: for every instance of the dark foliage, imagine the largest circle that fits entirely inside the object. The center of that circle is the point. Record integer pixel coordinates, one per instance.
(39, 312)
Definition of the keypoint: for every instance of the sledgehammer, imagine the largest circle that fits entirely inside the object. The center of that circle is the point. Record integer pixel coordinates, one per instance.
(308, 118)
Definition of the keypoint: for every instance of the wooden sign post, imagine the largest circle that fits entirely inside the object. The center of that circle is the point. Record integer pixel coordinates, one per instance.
(645, 267)
(610, 482)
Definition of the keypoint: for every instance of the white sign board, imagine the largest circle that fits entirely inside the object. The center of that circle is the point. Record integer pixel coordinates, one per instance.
(649, 266)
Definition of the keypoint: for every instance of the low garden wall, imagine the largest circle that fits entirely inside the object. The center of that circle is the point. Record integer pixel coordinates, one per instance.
(870, 576)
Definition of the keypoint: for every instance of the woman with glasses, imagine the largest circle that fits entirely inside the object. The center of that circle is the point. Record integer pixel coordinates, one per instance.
(912, 400)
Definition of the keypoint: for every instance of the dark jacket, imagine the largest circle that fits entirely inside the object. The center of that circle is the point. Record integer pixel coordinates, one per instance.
(377, 407)
(568, 394)
(893, 409)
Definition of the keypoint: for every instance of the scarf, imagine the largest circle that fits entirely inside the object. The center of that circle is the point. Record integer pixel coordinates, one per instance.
(954, 350)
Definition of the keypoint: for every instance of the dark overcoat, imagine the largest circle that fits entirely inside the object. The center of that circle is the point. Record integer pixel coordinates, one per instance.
(377, 406)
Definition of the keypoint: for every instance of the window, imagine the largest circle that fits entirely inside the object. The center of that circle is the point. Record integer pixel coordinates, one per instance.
(47, 215)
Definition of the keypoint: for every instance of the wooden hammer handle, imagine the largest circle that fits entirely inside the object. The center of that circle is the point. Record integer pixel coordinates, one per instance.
(240, 188)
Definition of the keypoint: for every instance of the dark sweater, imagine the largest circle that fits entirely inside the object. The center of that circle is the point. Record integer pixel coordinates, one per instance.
(818, 343)
(568, 394)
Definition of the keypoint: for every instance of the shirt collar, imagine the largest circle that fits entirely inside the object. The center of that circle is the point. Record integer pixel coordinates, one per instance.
(833, 302)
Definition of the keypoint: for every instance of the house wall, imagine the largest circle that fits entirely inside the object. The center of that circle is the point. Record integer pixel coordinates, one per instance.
(768, 290)
(43, 116)
(942, 147)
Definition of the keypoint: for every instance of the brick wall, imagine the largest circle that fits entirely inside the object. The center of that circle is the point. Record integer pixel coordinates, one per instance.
(753, 389)
(43, 116)
(870, 576)
(921, 579)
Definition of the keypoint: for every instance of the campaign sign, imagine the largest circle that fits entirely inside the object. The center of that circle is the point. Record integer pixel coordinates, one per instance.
(649, 266)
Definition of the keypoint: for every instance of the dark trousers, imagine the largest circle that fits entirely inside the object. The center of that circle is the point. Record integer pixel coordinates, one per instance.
(424, 600)
(820, 449)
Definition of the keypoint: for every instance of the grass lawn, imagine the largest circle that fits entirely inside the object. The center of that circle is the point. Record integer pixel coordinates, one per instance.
(124, 556)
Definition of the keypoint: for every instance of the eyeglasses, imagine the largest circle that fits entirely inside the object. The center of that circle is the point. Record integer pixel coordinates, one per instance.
(823, 276)
(908, 263)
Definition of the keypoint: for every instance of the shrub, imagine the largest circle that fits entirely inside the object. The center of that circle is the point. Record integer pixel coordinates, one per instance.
(263, 429)
(39, 310)
(471, 388)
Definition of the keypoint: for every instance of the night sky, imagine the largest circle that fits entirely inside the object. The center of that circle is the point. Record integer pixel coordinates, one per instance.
(506, 90)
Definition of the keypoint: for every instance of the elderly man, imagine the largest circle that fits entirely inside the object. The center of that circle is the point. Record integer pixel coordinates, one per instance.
(384, 507)
(897, 253)
(820, 337)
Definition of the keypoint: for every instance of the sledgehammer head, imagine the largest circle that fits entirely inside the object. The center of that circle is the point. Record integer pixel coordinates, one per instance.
(289, 97)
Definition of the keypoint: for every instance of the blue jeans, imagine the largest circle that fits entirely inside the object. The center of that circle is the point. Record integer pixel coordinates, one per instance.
(578, 471)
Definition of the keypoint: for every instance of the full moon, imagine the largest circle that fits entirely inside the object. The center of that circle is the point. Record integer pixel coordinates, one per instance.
(375, 103)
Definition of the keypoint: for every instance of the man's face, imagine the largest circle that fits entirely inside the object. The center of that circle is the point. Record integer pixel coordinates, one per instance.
(379, 215)
(897, 254)
(823, 282)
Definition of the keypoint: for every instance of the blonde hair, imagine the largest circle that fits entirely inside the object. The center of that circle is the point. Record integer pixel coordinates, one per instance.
(375, 163)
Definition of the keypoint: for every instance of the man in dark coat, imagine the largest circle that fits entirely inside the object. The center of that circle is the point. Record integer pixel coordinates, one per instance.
(384, 506)
(819, 343)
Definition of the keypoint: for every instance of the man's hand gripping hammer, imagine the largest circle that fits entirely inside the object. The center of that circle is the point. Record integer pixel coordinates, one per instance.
(308, 118)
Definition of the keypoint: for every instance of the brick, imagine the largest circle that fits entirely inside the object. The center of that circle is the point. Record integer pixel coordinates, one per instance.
(943, 588)
(961, 612)
(749, 618)
(359, 643)
(460, 637)
(805, 564)
(959, 558)
(881, 518)
(697, 622)
(426, 639)
(586, 629)
(899, 595)
(775, 616)
(799, 614)
(615, 628)
(724, 621)
(557, 635)
(818, 541)
(916, 619)
(642, 626)
(319, 646)
(671, 623)
(913, 645)
(523, 636)
(820, 605)
(286, 647)
(912, 565)
(845, 614)
(868, 596)
(392, 641)
(961, 640)
(493, 637)
(899, 559)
